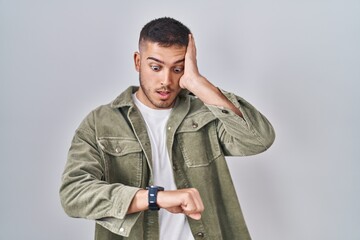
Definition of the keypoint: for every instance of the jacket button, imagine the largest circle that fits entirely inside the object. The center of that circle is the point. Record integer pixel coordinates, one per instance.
(200, 234)
(225, 111)
(117, 149)
(195, 125)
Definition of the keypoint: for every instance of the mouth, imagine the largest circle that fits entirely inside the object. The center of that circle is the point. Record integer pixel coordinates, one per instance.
(163, 94)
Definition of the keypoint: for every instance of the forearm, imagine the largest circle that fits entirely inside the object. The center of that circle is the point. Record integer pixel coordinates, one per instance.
(249, 135)
(139, 202)
(96, 199)
(83, 191)
(187, 201)
(210, 94)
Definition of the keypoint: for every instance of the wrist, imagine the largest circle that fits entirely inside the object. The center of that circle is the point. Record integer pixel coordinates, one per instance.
(152, 197)
(194, 83)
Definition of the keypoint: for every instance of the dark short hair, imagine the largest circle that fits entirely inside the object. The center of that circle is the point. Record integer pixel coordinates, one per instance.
(166, 32)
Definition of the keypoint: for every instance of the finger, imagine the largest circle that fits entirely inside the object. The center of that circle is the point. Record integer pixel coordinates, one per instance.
(175, 210)
(192, 211)
(194, 204)
(196, 216)
(197, 200)
(191, 45)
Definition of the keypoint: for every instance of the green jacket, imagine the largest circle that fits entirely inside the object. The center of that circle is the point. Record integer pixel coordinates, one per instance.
(110, 160)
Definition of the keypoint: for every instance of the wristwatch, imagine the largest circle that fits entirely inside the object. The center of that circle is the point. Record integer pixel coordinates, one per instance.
(152, 197)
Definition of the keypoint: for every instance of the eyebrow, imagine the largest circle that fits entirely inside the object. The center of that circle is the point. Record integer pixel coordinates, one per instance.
(162, 62)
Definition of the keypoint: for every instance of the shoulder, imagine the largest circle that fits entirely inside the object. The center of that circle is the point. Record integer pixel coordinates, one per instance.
(112, 110)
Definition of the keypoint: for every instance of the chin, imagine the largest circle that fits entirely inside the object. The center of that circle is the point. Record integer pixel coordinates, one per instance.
(165, 104)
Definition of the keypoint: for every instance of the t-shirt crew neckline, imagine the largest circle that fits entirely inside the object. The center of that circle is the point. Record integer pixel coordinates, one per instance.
(158, 113)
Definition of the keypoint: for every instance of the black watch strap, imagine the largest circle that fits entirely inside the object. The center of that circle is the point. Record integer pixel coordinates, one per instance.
(152, 196)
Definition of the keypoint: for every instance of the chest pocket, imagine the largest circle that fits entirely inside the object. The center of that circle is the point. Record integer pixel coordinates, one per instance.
(123, 160)
(197, 139)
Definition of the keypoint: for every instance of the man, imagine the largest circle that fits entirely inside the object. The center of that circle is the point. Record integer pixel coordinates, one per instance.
(162, 146)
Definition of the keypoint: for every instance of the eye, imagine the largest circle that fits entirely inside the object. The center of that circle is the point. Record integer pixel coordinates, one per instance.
(178, 69)
(155, 68)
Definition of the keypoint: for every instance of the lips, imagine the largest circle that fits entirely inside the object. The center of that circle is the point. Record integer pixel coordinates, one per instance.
(164, 94)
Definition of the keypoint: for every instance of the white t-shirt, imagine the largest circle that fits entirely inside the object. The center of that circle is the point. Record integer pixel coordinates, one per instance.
(172, 226)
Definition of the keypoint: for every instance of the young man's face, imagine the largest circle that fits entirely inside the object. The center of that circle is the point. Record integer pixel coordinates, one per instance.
(160, 69)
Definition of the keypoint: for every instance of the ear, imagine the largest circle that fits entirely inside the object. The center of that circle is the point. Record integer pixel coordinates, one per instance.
(137, 61)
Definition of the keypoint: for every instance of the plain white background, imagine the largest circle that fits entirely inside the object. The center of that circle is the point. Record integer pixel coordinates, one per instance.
(297, 61)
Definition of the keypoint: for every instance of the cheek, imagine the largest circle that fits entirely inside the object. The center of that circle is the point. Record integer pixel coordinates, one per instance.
(148, 76)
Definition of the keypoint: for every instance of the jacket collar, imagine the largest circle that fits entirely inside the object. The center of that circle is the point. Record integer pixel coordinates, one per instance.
(124, 99)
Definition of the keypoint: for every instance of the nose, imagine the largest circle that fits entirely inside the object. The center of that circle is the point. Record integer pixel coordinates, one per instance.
(167, 78)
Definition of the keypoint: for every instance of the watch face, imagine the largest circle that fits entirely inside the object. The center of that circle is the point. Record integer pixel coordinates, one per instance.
(155, 187)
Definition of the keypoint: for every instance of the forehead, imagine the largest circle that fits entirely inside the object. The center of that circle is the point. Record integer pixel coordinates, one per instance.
(166, 54)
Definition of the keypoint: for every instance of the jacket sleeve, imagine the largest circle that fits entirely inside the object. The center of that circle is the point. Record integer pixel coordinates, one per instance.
(245, 136)
(84, 192)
